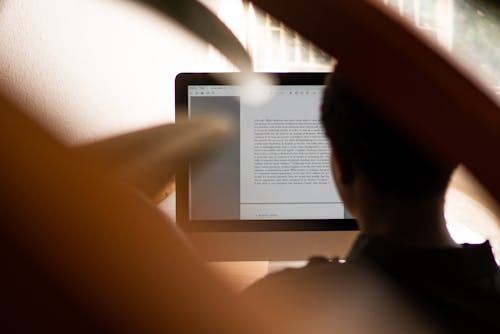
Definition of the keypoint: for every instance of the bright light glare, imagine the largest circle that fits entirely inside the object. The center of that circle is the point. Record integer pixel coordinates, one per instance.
(254, 88)
(470, 222)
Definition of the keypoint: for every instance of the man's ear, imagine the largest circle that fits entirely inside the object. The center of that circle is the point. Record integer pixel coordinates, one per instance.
(342, 167)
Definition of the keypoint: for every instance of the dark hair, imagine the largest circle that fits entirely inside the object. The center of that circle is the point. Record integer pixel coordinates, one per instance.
(388, 160)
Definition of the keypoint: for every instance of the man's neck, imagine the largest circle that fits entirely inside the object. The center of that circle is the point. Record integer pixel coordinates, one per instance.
(412, 221)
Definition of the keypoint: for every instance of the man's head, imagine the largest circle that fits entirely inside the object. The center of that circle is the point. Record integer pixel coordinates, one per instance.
(365, 145)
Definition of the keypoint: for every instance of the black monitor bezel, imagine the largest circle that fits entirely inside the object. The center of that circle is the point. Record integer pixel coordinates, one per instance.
(182, 81)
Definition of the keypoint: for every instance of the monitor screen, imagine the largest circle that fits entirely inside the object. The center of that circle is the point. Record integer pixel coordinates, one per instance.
(275, 171)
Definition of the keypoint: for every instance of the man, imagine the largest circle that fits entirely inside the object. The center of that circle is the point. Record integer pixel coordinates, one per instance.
(396, 193)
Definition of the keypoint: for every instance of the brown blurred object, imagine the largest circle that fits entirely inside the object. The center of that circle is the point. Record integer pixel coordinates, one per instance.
(81, 253)
(167, 190)
(147, 159)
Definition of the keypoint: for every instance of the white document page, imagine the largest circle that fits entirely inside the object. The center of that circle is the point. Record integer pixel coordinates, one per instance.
(285, 158)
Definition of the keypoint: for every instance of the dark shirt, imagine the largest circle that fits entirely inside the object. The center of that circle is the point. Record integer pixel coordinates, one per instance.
(458, 288)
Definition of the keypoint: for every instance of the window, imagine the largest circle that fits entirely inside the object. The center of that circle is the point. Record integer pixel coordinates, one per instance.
(272, 45)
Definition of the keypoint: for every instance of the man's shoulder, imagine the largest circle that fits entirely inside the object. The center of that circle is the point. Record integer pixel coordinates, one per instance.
(336, 295)
(321, 276)
(458, 288)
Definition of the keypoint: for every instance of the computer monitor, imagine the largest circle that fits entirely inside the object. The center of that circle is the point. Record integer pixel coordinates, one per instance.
(268, 194)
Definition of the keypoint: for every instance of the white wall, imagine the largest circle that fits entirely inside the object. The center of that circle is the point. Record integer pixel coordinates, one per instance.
(92, 68)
